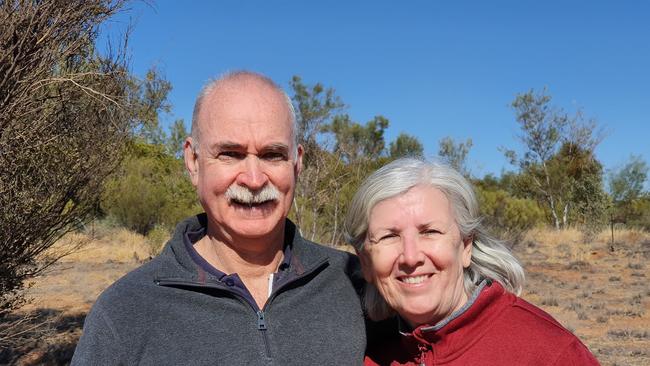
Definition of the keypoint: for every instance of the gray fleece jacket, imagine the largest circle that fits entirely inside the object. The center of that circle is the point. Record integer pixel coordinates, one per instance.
(171, 312)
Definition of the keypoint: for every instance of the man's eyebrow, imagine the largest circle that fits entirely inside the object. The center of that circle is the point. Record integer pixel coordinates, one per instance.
(231, 145)
(276, 146)
(227, 145)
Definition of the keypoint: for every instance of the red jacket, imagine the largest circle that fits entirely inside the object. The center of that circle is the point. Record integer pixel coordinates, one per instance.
(498, 328)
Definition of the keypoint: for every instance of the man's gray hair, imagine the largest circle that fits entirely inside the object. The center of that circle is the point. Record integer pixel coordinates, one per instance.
(214, 84)
(490, 257)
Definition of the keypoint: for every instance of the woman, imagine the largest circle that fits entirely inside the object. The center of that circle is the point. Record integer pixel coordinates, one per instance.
(416, 228)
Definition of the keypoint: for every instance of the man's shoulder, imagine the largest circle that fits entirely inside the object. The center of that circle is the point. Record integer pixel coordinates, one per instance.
(137, 285)
(336, 256)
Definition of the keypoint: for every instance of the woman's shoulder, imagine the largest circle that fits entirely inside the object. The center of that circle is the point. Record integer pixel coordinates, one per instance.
(526, 324)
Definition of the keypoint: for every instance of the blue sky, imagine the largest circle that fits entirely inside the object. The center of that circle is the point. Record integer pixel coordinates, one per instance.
(433, 68)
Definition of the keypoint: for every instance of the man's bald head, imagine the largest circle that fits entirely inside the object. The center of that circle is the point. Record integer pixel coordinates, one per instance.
(239, 79)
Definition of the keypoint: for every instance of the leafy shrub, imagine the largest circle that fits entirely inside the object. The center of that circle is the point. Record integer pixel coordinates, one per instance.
(506, 215)
(150, 189)
(157, 237)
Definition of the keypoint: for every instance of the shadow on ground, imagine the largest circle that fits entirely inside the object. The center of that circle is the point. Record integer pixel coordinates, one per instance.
(50, 337)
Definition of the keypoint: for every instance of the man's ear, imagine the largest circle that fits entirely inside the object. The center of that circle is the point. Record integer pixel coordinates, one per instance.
(299, 153)
(366, 264)
(191, 159)
(467, 251)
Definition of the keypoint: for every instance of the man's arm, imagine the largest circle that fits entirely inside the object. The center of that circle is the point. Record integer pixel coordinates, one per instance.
(99, 344)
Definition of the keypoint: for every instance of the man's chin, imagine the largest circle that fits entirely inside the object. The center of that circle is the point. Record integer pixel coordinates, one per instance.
(256, 229)
(255, 223)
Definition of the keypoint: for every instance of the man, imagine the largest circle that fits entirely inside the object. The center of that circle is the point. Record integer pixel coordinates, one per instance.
(236, 285)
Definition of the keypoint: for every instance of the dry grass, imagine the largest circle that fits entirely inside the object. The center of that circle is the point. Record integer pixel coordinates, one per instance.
(64, 294)
(600, 295)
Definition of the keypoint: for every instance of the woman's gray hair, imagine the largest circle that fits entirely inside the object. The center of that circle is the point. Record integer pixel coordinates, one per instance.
(490, 257)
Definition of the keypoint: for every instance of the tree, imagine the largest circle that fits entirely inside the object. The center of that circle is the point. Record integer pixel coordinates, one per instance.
(406, 145)
(626, 183)
(507, 216)
(152, 100)
(455, 154)
(547, 130)
(314, 106)
(65, 113)
(583, 188)
(355, 141)
(150, 189)
(322, 177)
(626, 191)
(177, 135)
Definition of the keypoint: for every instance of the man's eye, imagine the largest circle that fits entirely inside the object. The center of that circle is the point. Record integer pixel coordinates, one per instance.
(274, 156)
(230, 155)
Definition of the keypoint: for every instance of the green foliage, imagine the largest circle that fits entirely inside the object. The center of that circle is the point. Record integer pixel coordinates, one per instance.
(315, 106)
(455, 154)
(157, 238)
(629, 202)
(506, 215)
(558, 167)
(355, 141)
(150, 190)
(177, 136)
(626, 183)
(406, 145)
(640, 212)
(332, 174)
(151, 100)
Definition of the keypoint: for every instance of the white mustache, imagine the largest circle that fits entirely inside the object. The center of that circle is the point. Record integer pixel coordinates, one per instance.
(245, 195)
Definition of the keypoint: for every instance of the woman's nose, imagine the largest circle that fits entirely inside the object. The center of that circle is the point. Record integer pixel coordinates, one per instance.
(412, 255)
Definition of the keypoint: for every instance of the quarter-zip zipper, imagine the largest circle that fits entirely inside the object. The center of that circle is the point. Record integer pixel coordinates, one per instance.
(423, 353)
(262, 325)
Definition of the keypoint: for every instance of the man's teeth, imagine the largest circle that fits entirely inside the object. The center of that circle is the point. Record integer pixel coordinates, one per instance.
(414, 279)
(251, 203)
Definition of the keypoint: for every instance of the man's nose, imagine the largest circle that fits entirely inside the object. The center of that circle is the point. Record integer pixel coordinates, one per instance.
(252, 175)
(412, 255)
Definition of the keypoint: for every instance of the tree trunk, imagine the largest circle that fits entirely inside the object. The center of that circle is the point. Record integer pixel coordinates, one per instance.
(556, 220)
(611, 225)
(336, 211)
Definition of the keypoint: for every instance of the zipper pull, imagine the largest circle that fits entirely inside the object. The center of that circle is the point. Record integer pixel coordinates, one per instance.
(261, 322)
(423, 354)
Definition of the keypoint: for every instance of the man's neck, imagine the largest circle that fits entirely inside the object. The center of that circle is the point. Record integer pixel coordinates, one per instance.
(254, 261)
(247, 257)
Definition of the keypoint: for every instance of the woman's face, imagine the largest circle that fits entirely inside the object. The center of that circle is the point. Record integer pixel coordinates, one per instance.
(414, 255)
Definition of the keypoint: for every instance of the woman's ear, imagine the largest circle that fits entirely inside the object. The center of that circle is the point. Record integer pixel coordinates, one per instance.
(467, 251)
(366, 264)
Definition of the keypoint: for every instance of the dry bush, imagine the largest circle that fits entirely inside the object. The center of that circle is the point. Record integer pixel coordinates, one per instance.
(64, 116)
(547, 236)
(624, 235)
(121, 245)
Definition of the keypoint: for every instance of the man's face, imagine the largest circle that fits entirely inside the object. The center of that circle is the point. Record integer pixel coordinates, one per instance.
(245, 146)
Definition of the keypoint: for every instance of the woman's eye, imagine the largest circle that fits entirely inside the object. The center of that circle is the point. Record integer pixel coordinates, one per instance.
(430, 232)
(388, 237)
